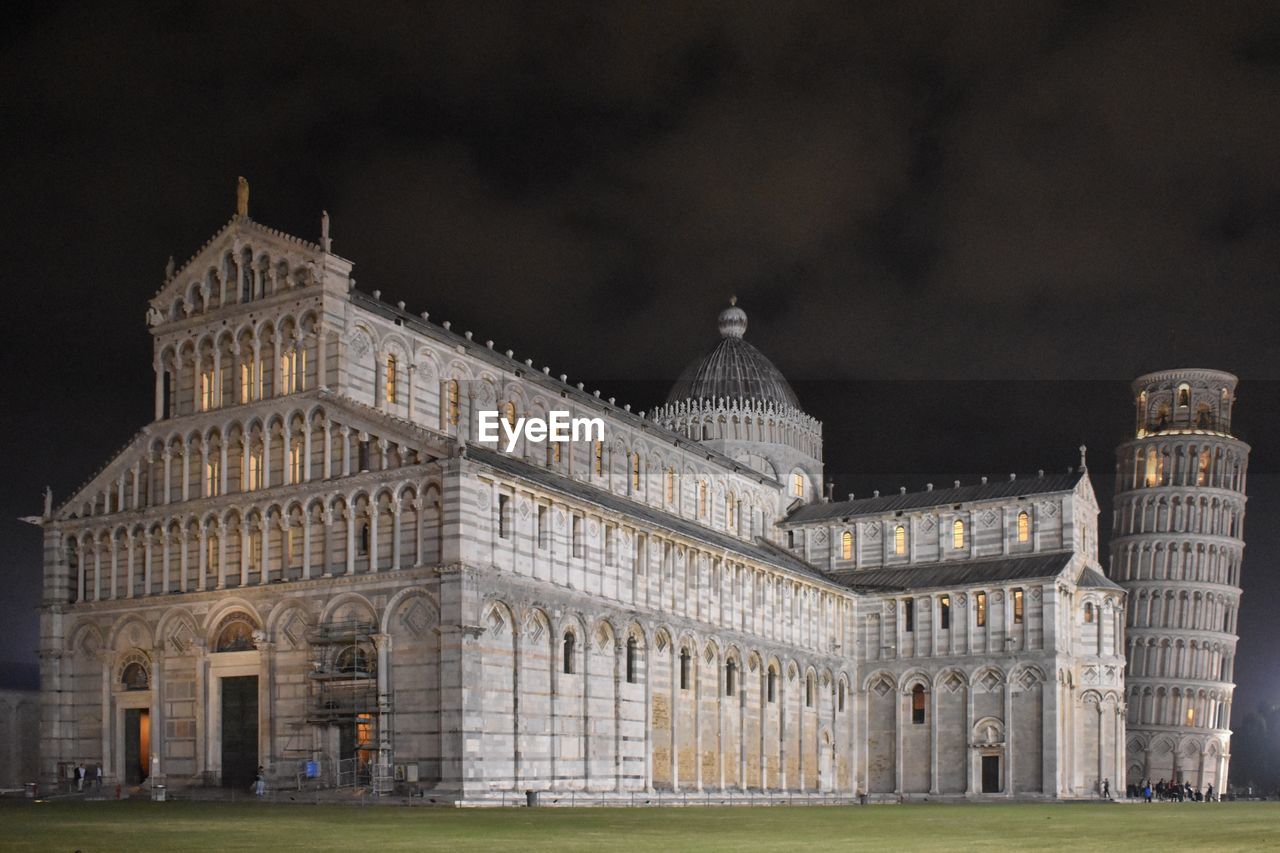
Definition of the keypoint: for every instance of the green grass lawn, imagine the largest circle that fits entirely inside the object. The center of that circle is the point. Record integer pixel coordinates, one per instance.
(174, 826)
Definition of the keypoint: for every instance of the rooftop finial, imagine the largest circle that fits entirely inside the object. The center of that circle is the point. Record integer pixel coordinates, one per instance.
(325, 242)
(1083, 451)
(733, 320)
(242, 197)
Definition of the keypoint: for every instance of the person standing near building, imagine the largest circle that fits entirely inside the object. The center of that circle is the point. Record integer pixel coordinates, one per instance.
(80, 776)
(260, 782)
(97, 776)
(1106, 789)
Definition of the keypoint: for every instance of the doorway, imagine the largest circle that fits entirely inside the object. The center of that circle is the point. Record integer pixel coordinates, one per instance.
(137, 745)
(239, 731)
(990, 774)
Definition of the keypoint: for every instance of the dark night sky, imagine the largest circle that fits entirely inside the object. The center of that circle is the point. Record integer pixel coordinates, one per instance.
(959, 229)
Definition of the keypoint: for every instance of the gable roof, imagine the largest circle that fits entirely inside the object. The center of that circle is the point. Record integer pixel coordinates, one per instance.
(955, 573)
(1092, 578)
(760, 549)
(1050, 483)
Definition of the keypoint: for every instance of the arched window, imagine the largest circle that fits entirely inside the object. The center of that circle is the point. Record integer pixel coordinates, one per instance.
(917, 705)
(797, 485)
(808, 691)
(980, 609)
(255, 470)
(846, 545)
(840, 698)
(450, 411)
(899, 540)
(1088, 611)
(631, 660)
(671, 485)
(635, 471)
(730, 678)
(569, 642)
(135, 677)
(957, 534)
(599, 457)
(771, 685)
(1152, 474)
(509, 412)
(702, 499)
(730, 517)
(684, 669)
(364, 539)
(391, 379)
(1184, 395)
(1024, 527)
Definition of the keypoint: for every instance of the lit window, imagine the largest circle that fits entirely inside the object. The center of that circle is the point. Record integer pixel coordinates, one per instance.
(917, 705)
(980, 608)
(212, 477)
(797, 485)
(900, 540)
(1184, 395)
(451, 403)
(206, 390)
(599, 457)
(391, 379)
(702, 499)
(1191, 716)
(289, 372)
(957, 534)
(1202, 473)
(671, 485)
(1152, 474)
(1024, 527)
(846, 545)
(255, 470)
(1088, 611)
(295, 463)
(1017, 607)
(635, 471)
(944, 611)
(246, 381)
(509, 411)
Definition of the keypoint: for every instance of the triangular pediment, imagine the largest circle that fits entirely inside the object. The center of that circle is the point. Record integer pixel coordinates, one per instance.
(240, 233)
(134, 452)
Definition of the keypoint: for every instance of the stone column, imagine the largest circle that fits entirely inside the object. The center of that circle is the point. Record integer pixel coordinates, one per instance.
(167, 455)
(128, 544)
(350, 515)
(328, 449)
(306, 544)
(159, 369)
(286, 476)
(410, 369)
(395, 537)
(322, 366)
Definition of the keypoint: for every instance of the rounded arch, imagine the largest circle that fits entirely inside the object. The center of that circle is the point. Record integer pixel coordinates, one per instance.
(347, 607)
(129, 631)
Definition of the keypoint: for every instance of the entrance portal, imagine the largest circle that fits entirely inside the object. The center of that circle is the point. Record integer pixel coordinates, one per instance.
(239, 731)
(990, 774)
(137, 745)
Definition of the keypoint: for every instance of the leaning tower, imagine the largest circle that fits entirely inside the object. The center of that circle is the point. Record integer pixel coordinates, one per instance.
(1176, 546)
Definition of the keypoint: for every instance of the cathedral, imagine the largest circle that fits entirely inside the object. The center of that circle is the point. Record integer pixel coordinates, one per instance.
(309, 561)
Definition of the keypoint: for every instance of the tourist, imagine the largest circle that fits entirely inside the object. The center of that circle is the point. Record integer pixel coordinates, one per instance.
(97, 776)
(1146, 791)
(1106, 789)
(260, 782)
(1208, 794)
(80, 772)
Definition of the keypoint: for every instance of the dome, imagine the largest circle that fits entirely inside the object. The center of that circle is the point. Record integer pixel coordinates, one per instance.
(733, 369)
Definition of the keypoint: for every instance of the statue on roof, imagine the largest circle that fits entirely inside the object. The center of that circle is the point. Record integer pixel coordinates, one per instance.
(48, 503)
(242, 198)
(325, 242)
(170, 268)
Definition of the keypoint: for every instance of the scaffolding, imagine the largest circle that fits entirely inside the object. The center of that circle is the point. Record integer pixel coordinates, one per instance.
(343, 691)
